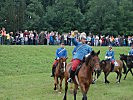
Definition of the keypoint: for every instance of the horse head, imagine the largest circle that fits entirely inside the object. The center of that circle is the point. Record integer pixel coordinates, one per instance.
(129, 60)
(93, 60)
(62, 63)
(123, 57)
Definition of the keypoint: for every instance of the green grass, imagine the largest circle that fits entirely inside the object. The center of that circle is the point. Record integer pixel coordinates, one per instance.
(25, 75)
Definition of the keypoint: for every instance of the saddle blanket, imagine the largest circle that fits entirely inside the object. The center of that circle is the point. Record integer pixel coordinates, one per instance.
(116, 64)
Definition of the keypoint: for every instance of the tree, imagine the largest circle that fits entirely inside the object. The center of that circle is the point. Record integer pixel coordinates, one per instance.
(33, 14)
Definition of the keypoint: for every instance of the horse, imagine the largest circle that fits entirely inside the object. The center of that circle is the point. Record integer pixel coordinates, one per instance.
(59, 73)
(84, 77)
(106, 68)
(129, 63)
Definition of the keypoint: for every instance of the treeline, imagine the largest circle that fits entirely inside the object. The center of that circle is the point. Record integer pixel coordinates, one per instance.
(97, 16)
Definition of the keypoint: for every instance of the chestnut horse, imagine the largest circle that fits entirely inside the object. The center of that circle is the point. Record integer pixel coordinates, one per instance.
(59, 73)
(84, 75)
(106, 67)
(129, 63)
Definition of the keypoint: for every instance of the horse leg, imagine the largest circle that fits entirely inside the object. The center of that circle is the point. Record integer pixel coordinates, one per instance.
(55, 82)
(131, 71)
(61, 84)
(117, 76)
(75, 91)
(84, 89)
(66, 88)
(120, 74)
(106, 74)
(126, 73)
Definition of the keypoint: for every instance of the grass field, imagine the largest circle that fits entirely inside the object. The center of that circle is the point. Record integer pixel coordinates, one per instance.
(25, 75)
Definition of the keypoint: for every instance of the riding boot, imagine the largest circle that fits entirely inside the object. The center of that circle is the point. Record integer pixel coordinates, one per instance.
(72, 74)
(53, 70)
(112, 67)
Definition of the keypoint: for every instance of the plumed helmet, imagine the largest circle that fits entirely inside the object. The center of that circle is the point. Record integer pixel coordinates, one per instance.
(110, 46)
(83, 35)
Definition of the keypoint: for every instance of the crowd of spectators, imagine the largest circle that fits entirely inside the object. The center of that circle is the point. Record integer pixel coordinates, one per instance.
(54, 38)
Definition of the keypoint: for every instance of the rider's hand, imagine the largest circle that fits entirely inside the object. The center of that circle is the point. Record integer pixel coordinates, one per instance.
(106, 57)
(58, 58)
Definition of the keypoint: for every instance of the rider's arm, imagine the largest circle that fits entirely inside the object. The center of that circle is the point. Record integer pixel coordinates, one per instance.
(57, 55)
(74, 41)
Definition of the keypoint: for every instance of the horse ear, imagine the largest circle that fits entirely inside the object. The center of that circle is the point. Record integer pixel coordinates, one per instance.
(92, 53)
(98, 52)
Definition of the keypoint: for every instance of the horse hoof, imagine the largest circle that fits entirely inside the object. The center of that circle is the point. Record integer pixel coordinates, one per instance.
(54, 88)
(59, 92)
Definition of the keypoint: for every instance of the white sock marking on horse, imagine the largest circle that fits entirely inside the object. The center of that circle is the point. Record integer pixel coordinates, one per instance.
(64, 66)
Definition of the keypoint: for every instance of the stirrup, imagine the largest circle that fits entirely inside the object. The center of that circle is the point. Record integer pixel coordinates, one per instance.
(70, 80)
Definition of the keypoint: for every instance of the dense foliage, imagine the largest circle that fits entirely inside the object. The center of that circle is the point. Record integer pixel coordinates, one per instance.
(97, 16)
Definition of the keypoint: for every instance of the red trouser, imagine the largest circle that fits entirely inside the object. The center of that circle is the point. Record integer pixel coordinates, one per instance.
(75, 63)
(55, 62)
(112, 61)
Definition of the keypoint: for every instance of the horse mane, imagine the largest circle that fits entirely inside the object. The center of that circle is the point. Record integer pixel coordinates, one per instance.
(105, 61)
(92, 54)
(87, 60)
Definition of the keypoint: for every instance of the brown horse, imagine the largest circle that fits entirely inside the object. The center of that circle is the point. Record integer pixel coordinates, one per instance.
(84, 75)
(59, 73)
(106, 67)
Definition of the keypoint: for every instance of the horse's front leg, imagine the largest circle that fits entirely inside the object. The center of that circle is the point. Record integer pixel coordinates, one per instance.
(66, 88)
(75, 91)
(84, 88)
(120, 74)
(61, 84)
(131, 71)
(55, 82)
(106, 74)
(126, 73)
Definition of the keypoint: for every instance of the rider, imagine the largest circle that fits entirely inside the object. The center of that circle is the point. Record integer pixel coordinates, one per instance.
(82, 50)
(131, 51)
(60, 53)
(110, 56)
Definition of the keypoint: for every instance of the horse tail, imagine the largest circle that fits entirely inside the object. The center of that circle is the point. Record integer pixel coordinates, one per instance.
(124, 67)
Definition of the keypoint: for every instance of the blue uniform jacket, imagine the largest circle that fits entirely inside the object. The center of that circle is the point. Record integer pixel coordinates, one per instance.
(74, 51)
(131, 52)
(80, 51)
(111, 54)
(61, 52)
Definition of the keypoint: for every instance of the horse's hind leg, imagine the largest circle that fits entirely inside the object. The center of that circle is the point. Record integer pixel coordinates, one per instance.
(75, 91)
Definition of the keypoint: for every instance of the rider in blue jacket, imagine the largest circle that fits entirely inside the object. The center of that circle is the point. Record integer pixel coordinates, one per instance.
(60, 53)
(81, 50)
(110, 56)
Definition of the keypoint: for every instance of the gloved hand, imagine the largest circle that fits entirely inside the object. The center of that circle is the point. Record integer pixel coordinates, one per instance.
(58, 58)
(110, 57)
(87, 55)
(106, 57)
